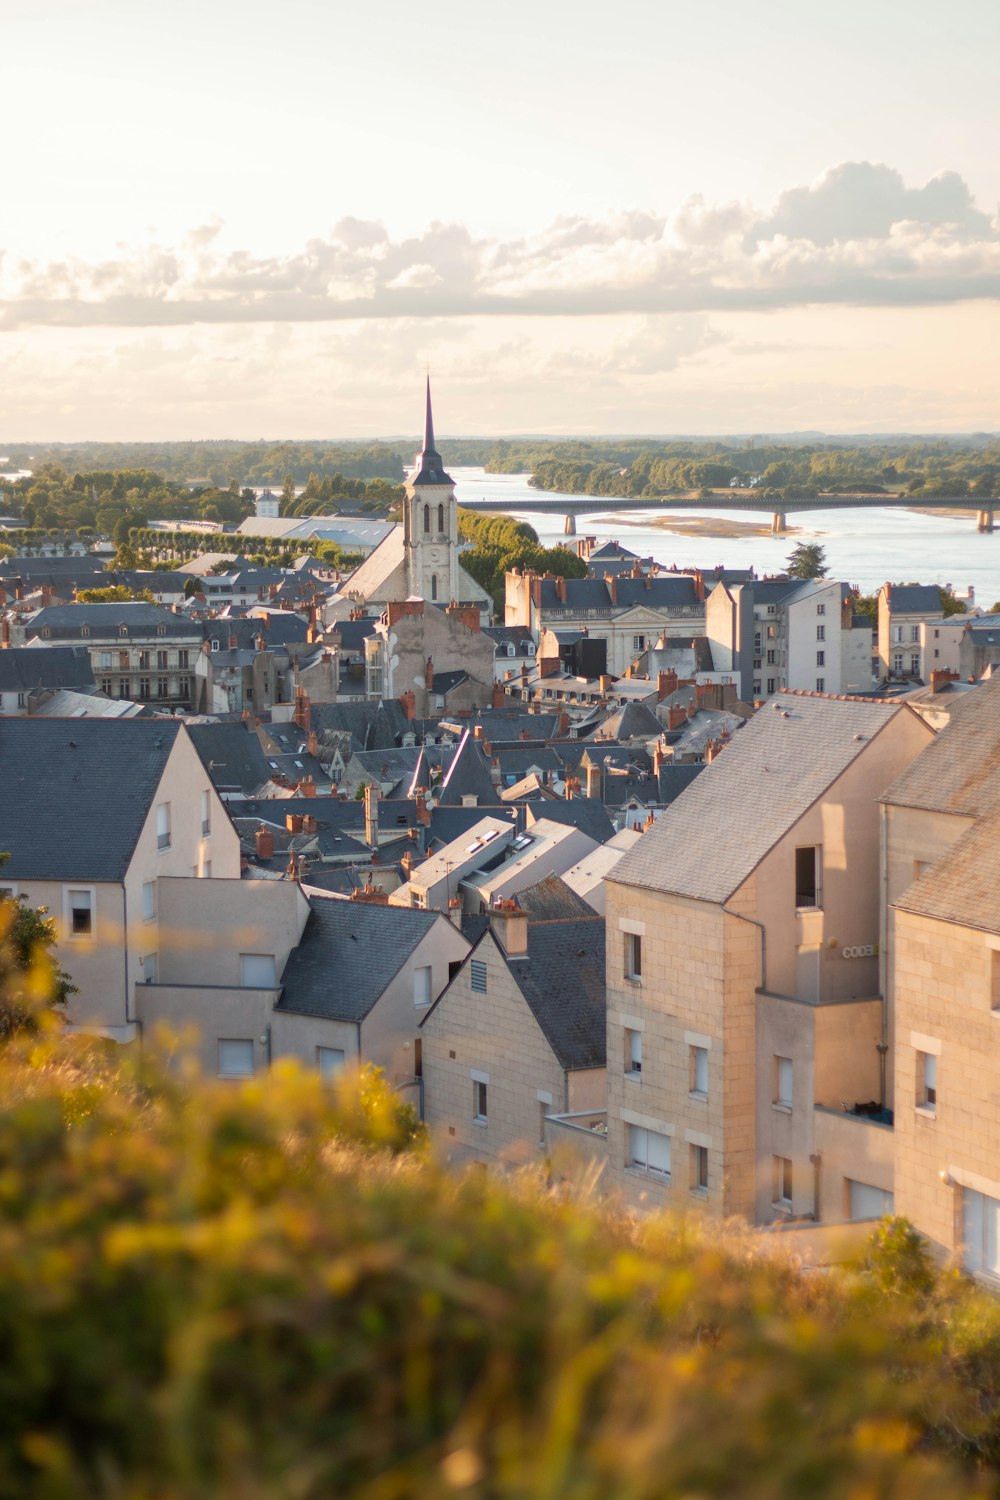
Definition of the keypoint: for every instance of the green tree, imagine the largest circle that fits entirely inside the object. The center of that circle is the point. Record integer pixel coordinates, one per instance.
(807, 560)
(32, 984)
(116, 594)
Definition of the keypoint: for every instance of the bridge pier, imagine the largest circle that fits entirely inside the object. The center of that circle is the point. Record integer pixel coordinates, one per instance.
(778, 523)
(570, 527)
(984, 520)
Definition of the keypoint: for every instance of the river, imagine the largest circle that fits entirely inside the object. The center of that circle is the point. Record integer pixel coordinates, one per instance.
(863, 547)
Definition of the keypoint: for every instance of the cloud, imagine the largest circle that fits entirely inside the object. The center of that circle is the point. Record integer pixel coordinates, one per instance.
(858, 236)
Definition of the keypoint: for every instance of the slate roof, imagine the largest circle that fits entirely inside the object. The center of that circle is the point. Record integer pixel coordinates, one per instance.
(232, 756)
(587, 814)
(964, 886)
(959, 772)
(562, 980)
(711, 839)
(139, 620)
(280, 628)
(467, 775)
(552, 900)
(74, 794)
(348, 954)
(914, 599)
(371, 725)
(633, 722)
(446, 682)
(24, 668)
(673, 780)
(659, 591)
(378, 566)
(354, 633)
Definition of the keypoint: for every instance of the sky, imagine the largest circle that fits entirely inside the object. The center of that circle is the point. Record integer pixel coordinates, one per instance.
(254, 220)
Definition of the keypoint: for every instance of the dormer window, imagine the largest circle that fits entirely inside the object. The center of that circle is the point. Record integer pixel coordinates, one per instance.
(161, 630)
(123, 631)
(84, 630)
(46, 632)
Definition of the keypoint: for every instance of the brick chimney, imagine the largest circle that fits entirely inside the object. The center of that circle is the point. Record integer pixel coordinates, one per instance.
(4, 635)
(561, 590)
(510, 928)
(234, 641)
(593, 781)
(293, 822)
(371, 816)
(312, 744)
(467, 613)
(309, 824)
(572, 787)
(264, 839)
(397, 609)
(409, 703)
(611, 579)
(940, 680)
(563, 729)
(699, 586)
(307, 787)
(423, 811)
(666, 683)
(676, 716)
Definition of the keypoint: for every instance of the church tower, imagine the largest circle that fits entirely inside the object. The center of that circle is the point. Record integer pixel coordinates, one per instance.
(430, 523)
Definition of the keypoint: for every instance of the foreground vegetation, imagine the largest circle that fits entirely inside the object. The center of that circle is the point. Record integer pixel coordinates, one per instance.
(272, 1291)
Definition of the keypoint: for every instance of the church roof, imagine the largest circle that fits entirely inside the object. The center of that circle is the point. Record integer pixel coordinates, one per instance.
(428, 467)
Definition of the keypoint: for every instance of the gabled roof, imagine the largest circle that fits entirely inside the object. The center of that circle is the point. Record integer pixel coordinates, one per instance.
(562, 979)
(552, 900)
(279, 628)
(467, 776)
(633, 722)
(348, 954)
(959, 772)
(67, 621)
(232, 756)
(587, 814)
(378, 567)
(963, 887)
(710, 840)
(74, 794)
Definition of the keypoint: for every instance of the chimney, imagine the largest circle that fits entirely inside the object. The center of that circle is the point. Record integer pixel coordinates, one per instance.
(467, 613)
(572, 787)
(510, 928)
(561, 590)
(259, 643)
(309, 824)
(676, 716)
(666, 683)
(455, 911)
(423, 812)
(611, 579)
(312, 744)
(605, 683)
(429, 675)
(658, 758)
(699, 586)
(497, 696)
(4, 635)
(233, 641)
(293, 822)
(265, 843)
(593, 781)
(371, 816)
(307, 787)
(940, 680)
(563, 729)
(477, 732)
(409, 702)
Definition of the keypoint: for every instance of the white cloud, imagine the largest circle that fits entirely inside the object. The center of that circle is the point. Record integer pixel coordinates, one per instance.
(858, 236)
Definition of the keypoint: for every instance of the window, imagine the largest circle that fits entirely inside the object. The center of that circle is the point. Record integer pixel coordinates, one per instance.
(106, 660)
(422, 986)
(771, 658)
(633, 1052)
(22, 699)
(236, 1058)
(107, 686)
(897, 662)
(980, 1238)
(782, 1167)
(123, 661)
(161, 661)
(757, 663)
(144, 688)
(182, 659)
(480, 1101)
(206, 870)
(257, 971)
(633, 955)
(821, 609)
(162, 688)
(206, 814)
(149, 900)
(214, 644)
(638, 643)
(161, 630)
(80, 912)
(821, 632)
(864, 1202)
(914, 632)
(807, 876)
(699, 1169)
(783, 1076)
(149, 965)
(163, 826)
(698, 1073)
(821, 658)
(478, 975)
(427, 520)
(897, 633)
(821, 684)
(914, 663)
(648, 1151)
(123, 631)
(144, 658)
(927, 1082)
(329, 1061)
(770, 684)
(434, 590)
(441, 518)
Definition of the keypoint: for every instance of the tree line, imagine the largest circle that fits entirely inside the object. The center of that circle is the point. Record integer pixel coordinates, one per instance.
(500, 544)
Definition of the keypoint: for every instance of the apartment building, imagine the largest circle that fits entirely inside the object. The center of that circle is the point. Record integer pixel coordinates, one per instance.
(629, 613)
(800, 634)
(903, 608)
(30, 675)
(745, 1018)
(942, 827)
(137, 651)
(518, 1035)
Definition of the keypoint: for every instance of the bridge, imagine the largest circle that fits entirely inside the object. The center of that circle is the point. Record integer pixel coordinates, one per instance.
(573, 506)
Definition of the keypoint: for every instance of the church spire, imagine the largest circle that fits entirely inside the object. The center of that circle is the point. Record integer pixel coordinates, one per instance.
(429, 423)
(427, 465)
